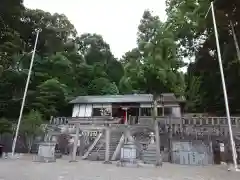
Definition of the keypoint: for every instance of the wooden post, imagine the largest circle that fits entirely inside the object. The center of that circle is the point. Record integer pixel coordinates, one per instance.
(75, 143)
(107, 144)
(125, 115)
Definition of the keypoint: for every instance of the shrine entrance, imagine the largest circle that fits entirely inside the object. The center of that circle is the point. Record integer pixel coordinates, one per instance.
(126, 112)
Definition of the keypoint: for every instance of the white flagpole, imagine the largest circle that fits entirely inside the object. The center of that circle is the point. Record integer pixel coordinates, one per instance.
(25, 94)
(235, 40)
(234, 154)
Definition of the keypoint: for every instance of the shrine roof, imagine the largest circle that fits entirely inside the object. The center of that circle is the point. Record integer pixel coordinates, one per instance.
(129, 98)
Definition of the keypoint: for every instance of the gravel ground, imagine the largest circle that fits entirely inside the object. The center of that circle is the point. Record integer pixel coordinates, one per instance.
(26, 169)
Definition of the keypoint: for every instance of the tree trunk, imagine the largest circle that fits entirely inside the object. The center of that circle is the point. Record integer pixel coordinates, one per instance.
(157, 136)
(29, 143)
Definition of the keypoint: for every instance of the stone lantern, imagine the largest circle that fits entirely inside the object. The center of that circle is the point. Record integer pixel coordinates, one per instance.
(128, 155)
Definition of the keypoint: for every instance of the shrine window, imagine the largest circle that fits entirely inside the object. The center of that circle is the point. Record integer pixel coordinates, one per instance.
(101, 110)
(160, 111)
(167, 111)
(146, 111)
(97, 111)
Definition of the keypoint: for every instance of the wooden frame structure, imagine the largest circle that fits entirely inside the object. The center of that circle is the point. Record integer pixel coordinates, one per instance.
(137, 105)
(105, 126)
(83, 118)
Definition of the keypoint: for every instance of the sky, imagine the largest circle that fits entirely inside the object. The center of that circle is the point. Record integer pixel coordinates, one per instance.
(116, 21)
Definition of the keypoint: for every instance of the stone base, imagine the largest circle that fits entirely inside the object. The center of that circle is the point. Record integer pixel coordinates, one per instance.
(127, 164)
(107, 162)
(93, 156)
(158, 164)
(44, 159)
(232, 168)
(9, 156)
(58, 155)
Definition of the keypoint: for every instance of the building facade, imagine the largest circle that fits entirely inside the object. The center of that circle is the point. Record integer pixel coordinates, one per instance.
(137, 105)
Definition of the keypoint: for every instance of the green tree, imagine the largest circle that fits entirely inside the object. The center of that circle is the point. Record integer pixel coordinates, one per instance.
(31, 127)
(5, 127)
(114, 70)
(65, 65)
(196, 39)
(132, 79)
(50, 98)
(192, 93)
(153, 67)
(56, 30)
(102, 86)
(160, 63)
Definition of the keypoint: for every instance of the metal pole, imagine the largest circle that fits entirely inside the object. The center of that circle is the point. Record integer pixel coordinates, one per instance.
(235, 40)
(25, 94)
(234, 154)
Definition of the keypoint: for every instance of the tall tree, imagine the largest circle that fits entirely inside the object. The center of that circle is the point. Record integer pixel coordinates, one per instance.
(31, 127)
(56, 31)
(195, 34)
(153, 67)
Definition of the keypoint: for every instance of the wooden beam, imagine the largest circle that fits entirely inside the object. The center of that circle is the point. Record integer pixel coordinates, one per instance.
(94, 118)
(99, 122)
(118, 148)
(92, 146)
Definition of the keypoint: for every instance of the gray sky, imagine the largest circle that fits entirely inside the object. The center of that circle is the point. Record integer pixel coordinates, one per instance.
(116, 21)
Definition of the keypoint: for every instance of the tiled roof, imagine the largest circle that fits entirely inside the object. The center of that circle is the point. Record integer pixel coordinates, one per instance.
(130, 98)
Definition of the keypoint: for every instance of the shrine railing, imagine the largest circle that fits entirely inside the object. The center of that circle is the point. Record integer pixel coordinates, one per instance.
(210, 121)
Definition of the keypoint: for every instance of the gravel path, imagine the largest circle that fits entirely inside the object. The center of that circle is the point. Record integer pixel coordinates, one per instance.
(26, 169)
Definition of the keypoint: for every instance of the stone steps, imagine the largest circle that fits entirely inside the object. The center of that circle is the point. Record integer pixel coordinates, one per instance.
(99, 150)
(149, 155)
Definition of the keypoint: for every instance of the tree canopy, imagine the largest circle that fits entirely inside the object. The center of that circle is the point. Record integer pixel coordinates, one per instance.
(68, 64)
(195, 34)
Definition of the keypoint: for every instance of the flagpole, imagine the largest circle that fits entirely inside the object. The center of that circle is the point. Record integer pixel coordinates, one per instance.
(234, 154)
(25, 93)
(235, 40)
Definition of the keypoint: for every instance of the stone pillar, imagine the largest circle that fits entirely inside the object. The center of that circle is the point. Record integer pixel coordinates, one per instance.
(107, 144)
(75, 143)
